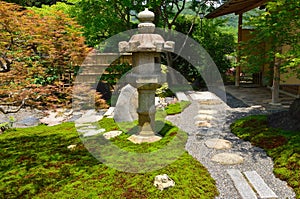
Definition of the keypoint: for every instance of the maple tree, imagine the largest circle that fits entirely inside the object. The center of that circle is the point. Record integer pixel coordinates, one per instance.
(39, 56)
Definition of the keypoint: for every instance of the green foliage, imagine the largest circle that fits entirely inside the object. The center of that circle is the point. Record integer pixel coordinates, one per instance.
(176, 108)
(282, 146)
(213, 37)
(37, 3)
(113, 73)
(36, 163)
(276, 38)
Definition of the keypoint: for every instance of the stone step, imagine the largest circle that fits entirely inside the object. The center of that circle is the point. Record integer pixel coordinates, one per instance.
(87, 79)
(110, 111)
(181, 96)
(241, 184)
(248, 183)
(263, 190)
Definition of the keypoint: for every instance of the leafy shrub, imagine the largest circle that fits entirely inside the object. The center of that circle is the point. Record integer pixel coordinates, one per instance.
(38, 56)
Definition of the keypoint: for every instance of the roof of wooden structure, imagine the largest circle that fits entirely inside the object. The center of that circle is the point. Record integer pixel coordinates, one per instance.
(235, 6)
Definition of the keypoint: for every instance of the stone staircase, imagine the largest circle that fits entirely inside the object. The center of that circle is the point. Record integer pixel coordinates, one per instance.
(96, 64)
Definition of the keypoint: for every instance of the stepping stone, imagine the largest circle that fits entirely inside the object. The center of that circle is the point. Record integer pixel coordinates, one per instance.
(227, 158)
(85, 129)
(93, 132)
(218, 144)
(181, 96)
(204, 117)
(112, 134)
(210, 102)
(84, 125)
(208, 112)
(89, 119)
(203, 124)
(203, 96)
(109, 112)
(263, 190)
(241, 184)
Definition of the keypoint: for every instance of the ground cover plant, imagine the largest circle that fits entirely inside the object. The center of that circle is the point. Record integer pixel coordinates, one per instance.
(177, 107)
(282, 146)
(36, 163)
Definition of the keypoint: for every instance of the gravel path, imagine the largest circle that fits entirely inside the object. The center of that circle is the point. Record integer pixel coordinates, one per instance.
(254, 157)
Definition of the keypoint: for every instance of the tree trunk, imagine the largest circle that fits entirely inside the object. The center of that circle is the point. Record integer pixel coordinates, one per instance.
(276, 82)
(2, 110)
(276, 77)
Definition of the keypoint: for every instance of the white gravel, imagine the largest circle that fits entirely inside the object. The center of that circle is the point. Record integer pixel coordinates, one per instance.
(254, 158)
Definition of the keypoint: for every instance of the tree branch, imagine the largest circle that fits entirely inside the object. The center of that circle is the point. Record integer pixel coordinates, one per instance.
(5, 66)
(13, 111)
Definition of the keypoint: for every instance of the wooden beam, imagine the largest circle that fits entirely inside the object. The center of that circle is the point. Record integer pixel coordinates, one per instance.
(238, 67)
(250, 7)
(236, 6)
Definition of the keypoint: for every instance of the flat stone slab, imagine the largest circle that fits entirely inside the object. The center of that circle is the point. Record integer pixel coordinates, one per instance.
(263, 190)
(181, 96)
(218, 144)
(112, 134)
(227, 158)
(208, 112)
(89, 119)
(204, 117)
(203, 124)
(109, 112)
(241, 184)
(140, 139)
(210, 102)
(29, 121)
(203, 96)
(93, 132)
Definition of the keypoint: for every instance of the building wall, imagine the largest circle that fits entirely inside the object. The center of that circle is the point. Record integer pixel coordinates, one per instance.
(289, 83)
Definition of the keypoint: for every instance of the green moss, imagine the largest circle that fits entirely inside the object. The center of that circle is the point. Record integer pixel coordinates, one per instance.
(282, 146)
(176, 108)
(35, 163)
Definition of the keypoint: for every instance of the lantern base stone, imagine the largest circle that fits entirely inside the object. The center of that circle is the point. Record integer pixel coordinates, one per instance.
(138, 139)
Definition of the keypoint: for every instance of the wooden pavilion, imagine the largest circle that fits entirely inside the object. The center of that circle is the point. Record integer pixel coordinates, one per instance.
(238, 7)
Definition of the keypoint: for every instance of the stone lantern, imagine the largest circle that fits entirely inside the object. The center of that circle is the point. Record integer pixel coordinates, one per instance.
(146, 75)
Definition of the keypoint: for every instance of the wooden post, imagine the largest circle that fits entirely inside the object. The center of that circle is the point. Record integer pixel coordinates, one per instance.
(238, 67)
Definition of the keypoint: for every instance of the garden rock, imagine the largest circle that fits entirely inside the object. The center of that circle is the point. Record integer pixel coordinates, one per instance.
(56, 117)
(29, 121)
(295, 109)
(227, 158)
(126, 106)
(112, 134)
(89, 117)
(163, 181)
(287, 120)
(218, 144)
(72, 147)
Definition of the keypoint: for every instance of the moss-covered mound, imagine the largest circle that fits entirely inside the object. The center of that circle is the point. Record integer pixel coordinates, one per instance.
(282, 146)
(36, 163)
